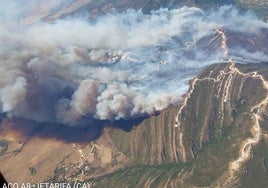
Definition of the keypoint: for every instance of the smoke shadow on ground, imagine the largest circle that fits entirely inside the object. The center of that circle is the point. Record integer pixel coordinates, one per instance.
(69, 134)
(127, 125)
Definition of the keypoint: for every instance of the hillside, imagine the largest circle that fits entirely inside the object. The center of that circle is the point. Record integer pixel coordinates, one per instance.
(216, 121)
(197, 144)
(53, 10)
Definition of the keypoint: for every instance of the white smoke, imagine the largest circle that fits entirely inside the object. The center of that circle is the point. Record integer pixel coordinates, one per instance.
(13, 94)
(119, 66)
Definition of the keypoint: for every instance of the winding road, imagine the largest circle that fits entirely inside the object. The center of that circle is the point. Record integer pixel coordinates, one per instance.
(245, 149)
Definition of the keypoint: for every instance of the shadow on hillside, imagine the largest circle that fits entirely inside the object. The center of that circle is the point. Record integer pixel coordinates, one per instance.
(71, 134)
(127, 125)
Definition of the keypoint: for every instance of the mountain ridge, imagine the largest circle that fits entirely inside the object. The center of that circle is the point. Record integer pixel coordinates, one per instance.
(152, 146)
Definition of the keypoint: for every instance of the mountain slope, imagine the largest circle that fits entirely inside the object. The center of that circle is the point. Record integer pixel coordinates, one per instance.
(214, 124)
(216, 138)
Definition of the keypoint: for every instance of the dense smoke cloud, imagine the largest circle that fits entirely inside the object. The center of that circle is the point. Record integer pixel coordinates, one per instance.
(119, 66)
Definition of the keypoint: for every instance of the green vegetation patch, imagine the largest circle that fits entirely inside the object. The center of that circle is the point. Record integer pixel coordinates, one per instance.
(140, 175)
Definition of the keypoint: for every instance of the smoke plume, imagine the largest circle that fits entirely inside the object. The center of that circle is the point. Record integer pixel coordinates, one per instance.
(118, 66)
